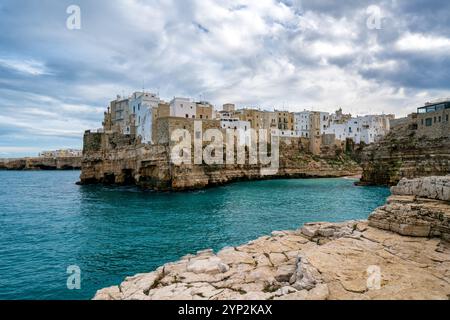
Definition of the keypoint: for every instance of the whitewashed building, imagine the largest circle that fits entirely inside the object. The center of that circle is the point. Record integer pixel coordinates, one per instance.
(367, 129)
(183, 108)
(302, 123)
(234, 123)
(141, 106)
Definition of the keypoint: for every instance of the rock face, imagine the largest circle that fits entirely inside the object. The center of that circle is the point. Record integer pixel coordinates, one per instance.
(401, 253)
(403, 153)
(418, 207)
(41, 163)
(117, 159)
(437, 188)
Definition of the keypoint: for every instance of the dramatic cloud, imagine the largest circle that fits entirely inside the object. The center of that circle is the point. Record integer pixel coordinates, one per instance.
(291, 54)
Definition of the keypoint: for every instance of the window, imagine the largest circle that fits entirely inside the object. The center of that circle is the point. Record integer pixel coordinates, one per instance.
(201, 116)
(193, 117)
(428, 122)
(439, 119)
(187, 116)
(446, 117)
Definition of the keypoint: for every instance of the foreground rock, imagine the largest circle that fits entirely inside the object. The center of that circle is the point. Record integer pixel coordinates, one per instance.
(350, 260)
(418, 207)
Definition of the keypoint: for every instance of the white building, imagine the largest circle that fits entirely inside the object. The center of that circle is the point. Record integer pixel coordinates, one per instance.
(183, 108)
(367, 129)
(302, 123)
(234, 123)
(141, 106)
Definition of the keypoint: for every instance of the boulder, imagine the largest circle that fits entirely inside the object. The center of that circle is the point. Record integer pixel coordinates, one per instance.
(210, 265)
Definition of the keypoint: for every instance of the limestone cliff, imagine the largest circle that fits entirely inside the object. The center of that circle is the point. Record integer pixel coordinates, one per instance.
(350, 260)
(41, 163)
(119, 159)
(404, 153)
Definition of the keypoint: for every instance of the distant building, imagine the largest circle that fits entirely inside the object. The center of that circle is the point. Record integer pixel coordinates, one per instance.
(183, 108)
(204, 110)
(302, 122)
(142, 106)
(285, 120)
(362, 129)
(234, 123)
(432, 120)
(284, 133)
(230, 107)
(252, 115)
(120, 114)
(63, 153)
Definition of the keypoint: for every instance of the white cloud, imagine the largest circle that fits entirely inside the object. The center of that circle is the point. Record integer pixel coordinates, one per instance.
(29, 67)
(424, 43)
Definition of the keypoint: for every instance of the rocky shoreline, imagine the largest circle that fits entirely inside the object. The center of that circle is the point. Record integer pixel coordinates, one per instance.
(41, 163)
(406, 241)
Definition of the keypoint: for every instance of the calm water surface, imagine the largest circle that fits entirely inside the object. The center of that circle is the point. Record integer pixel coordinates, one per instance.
(48, 223)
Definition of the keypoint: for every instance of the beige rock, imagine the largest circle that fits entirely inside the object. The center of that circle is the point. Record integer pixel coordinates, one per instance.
(111, 293)
(210, 265)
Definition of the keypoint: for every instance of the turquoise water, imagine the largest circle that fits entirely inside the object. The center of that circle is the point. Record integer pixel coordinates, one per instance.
(48, 223)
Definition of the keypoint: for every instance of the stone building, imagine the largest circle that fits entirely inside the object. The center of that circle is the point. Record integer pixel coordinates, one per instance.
(204, 110)
(254, 116)
(285, 120)
(162, 111)
(120, 115)
(315, 135)
(229, 107)
(432, 120)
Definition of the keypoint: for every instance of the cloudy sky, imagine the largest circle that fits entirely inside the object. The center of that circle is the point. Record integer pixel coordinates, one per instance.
(364, 56)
